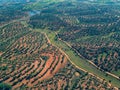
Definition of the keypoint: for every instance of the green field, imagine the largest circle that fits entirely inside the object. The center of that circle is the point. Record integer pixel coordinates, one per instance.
(117, 73)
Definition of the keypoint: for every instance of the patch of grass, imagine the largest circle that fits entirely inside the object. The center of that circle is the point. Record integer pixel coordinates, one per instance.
(117, 72)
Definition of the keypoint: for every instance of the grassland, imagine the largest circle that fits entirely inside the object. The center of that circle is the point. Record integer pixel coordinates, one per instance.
(116, 73)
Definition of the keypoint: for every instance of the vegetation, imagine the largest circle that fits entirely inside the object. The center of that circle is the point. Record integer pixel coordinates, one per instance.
(4, 86)
(38, 37)
(70, 78)
(92, 30)
(11, 12)
(30, 57)
(78, 61)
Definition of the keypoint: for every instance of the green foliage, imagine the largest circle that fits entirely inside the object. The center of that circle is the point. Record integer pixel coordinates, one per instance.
(41, 4)
(96, 31)
(3, 68)
(4, 86)
(11, 12)
(93, 30)
(45, 58)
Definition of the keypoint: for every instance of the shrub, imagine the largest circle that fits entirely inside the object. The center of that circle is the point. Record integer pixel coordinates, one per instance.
(4, 86)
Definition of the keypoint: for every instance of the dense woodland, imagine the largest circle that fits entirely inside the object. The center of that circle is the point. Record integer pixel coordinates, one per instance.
(11, 12)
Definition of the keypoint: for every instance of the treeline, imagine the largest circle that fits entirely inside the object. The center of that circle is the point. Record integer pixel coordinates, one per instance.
(47, 21)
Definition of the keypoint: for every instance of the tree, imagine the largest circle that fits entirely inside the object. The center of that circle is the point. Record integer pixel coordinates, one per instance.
(4, 86)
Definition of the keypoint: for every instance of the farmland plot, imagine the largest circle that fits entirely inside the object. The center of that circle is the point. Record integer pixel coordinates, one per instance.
(30, 59)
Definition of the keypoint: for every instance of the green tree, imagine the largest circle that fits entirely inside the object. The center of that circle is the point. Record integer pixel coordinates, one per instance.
(4, 86)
